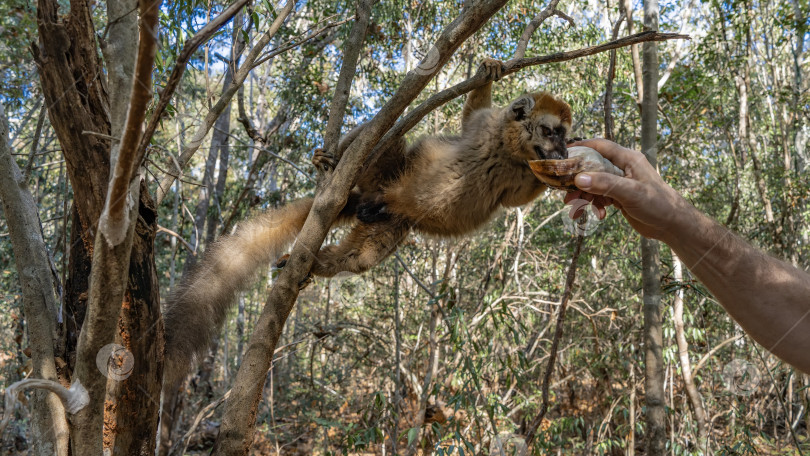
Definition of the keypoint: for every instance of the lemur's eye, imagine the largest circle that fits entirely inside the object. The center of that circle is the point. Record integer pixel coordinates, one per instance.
(546, 131)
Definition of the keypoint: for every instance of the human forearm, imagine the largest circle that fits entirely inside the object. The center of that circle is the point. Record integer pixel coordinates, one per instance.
(768, 297)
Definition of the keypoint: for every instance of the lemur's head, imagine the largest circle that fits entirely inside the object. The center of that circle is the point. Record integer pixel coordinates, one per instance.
(536, 126)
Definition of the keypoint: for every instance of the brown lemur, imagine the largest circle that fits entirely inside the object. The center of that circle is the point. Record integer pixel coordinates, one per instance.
(439, 185)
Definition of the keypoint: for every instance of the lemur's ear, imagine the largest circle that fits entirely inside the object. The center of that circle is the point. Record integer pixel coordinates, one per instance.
(520, 108)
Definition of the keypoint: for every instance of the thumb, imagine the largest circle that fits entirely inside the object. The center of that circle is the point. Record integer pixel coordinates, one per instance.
(620, 189)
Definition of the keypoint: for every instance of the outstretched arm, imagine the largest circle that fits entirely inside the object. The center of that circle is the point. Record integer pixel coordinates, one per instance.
(481, 97)
(768, 297)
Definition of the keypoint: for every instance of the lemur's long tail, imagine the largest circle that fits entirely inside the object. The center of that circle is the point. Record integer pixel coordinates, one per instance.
(196, 309)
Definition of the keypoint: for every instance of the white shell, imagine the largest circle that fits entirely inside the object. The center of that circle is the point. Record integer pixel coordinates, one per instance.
(593, 160)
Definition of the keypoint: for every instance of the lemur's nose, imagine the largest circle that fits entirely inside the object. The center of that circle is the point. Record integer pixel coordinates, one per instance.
(561, 149)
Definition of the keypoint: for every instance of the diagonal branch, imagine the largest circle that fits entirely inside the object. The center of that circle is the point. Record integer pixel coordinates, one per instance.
(413, 117)
(351, 52)
(531, 431)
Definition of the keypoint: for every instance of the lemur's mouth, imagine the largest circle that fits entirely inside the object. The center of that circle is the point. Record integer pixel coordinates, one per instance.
(559, 152)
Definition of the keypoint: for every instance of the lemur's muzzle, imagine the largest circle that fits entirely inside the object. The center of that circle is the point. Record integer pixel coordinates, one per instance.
(558, 152)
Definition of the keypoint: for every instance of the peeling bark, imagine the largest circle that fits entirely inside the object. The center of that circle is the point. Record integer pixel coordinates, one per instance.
(112, 249)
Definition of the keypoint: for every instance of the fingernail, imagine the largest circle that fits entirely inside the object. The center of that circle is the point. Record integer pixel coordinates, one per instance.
(582, 181)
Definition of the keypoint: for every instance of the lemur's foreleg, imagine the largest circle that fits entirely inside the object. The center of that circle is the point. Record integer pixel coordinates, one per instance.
(481, 98)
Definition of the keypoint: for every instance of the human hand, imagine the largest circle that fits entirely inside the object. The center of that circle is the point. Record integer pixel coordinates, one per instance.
(646, 201)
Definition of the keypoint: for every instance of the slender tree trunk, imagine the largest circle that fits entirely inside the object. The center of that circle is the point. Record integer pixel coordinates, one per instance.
(749, 141)
(651, 282)
(40, 307)
(628, 10)
(218, 148)
(683, 354)
(398, 362)
(631, 435)
(430, 371)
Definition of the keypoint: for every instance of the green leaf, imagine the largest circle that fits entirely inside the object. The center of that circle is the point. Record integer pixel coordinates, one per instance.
(412, 434)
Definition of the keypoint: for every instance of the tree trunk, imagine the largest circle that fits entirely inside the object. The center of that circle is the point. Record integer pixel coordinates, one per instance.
(141, 333)
(430, 371)
(70, 71)
(112, 252)
(398, 362)
(683, 355)
(651, 282)
(49, 424)
(70, 75)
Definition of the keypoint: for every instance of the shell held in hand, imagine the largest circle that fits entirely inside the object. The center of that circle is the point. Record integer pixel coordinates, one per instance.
(560, 174)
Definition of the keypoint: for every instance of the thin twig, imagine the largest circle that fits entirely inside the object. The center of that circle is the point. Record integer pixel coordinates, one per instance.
(182, 444)
(35, 143)
(172, 233)
(415, 279)
(100, 135)
(555, 343)
(715, 349)
(348, 69)
(293, 44)
(523, 42)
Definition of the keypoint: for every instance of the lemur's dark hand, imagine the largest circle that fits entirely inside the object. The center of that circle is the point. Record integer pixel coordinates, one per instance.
(304, 283)
(372, 211)
(281, 262)
(323, 160)
(494, 68)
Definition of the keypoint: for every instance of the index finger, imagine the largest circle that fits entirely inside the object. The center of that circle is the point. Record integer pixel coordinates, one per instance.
(618, 155)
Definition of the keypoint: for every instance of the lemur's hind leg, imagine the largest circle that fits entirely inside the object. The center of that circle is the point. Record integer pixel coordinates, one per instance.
(354, 204)
(363, 248)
